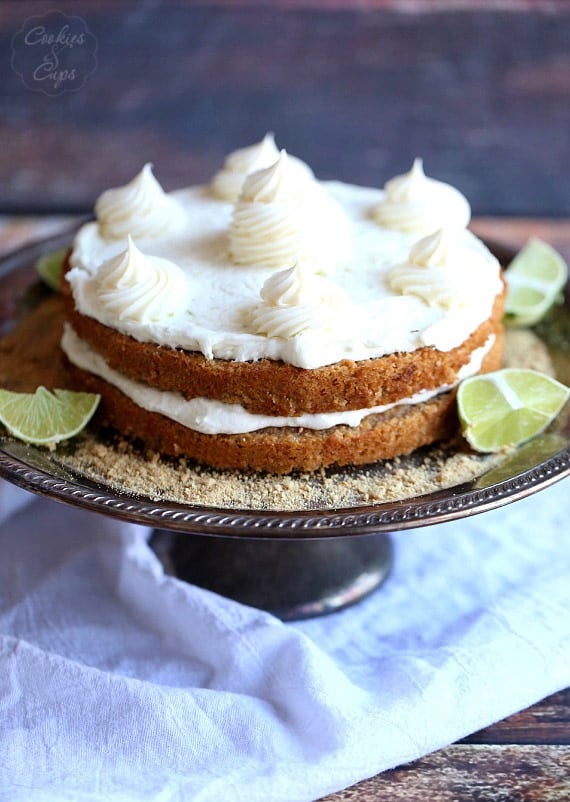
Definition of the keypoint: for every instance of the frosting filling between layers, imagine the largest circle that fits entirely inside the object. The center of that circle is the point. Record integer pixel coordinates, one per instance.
(215, 417)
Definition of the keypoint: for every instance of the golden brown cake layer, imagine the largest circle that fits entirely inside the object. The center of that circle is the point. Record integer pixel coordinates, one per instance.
(395, 432)
(268, 387)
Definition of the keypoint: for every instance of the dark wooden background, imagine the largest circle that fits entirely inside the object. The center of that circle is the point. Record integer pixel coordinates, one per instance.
(357, 89)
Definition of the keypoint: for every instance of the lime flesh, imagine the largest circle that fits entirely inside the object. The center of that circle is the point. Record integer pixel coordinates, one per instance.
(508, 407)
(534, 279)
(45, 417)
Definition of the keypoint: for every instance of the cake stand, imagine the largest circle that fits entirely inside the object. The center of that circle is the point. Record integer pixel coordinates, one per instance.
(296, 564)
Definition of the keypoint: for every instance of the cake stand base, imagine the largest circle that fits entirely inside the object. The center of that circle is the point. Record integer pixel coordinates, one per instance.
(292, 579)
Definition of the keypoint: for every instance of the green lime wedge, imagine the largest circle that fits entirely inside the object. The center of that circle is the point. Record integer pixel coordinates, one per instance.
(45, 417)
(49, 267)
(534, 279)
(508, 407)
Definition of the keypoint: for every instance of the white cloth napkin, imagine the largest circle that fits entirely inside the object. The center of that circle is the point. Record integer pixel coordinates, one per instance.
(120, 683)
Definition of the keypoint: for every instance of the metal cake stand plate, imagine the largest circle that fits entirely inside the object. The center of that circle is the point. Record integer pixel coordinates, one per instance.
(294, 564)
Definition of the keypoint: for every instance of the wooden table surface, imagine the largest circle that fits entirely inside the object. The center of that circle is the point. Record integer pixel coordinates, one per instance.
(525, 758)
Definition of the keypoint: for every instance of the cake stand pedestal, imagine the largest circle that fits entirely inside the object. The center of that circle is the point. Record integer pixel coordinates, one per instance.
(292, 579)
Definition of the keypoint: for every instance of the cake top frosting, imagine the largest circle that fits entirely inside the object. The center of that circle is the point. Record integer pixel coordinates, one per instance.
(295, 269)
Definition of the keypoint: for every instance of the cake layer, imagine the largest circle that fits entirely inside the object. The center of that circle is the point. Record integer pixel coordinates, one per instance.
(382, 436)
(278, 450)
(267, 387)
(215, 417)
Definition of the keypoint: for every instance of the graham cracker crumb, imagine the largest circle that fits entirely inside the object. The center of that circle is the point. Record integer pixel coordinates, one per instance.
(523, 349)
(122, 466)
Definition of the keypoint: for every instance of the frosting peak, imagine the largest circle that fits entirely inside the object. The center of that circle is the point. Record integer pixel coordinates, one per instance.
(290, 287)
(260, 154)
(282, 216)
(296, 300)
(134, 287)
(274, 183)
(445, 270)
(436, 250)
(409, 185)
(141, 208)
(228, 182)
(417, 204)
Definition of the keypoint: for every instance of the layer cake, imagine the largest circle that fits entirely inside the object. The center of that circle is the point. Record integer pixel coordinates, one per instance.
(270, 321)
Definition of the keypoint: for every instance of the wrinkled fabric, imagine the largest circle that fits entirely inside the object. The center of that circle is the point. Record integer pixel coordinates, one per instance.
(118, 682)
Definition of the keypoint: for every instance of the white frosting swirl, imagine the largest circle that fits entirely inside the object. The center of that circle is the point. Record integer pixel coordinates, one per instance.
(444, 270)
(296, 300)
(138, 288)
(281, 216)
(274, 184)
(141, 208)
(417, 204)
(228, 182)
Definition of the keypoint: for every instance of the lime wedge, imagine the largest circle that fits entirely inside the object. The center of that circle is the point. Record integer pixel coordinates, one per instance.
(508, 407)
(46, 417)
(49, 267)
(534, 279)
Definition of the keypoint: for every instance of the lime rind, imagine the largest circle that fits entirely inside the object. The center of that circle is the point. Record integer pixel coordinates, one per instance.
(49, 268)
(45, 417)
(508, 407)
(534, 279)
